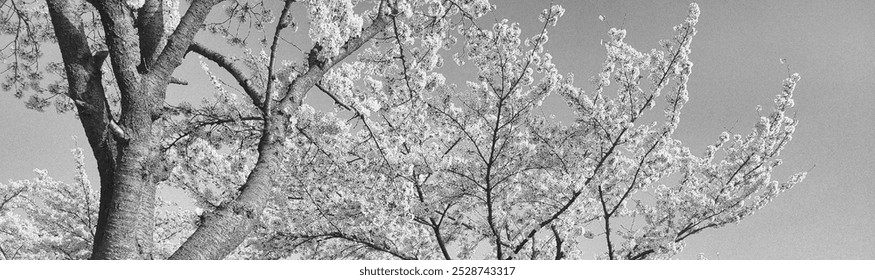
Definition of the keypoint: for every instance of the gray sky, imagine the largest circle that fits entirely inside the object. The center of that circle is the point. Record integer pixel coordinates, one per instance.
(736, 55)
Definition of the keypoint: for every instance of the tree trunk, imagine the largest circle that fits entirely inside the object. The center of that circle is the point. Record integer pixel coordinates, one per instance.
(85, 88)
(125, 149)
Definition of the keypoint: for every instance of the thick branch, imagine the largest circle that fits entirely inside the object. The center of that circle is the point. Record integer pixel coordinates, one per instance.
(302, 84)
(179, 42)
(223, 61)
(85, 88)
(150, 24)
(122, 41)
(220, 233)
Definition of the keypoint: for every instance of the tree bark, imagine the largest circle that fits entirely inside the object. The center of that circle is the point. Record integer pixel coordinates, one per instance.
(86, 90)
(127, 231)
(150, 22)
(123, 149)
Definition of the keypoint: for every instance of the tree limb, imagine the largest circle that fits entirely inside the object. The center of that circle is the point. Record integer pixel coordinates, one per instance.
(223, 61)
(178, 42)
(219, 234)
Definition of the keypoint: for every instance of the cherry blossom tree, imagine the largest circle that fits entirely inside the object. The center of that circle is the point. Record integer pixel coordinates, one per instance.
(405, 165)
(124, 119)
(431, 171)
(44, 218)
(54, 221)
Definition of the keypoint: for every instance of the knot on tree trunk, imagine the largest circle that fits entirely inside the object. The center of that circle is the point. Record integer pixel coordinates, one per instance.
(245, 210)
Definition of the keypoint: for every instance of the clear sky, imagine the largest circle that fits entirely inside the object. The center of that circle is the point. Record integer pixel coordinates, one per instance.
(736, 54)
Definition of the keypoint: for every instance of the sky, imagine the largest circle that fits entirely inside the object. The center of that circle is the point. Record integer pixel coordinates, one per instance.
(736, 54)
